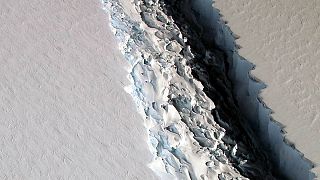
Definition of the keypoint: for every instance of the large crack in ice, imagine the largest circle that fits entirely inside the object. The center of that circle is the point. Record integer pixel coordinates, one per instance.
(196, 131)
(184, 137)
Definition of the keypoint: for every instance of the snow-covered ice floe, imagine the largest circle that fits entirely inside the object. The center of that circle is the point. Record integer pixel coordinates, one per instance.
(187, 135)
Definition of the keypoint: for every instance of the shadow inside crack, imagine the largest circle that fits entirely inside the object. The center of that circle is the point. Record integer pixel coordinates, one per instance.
(226, 79)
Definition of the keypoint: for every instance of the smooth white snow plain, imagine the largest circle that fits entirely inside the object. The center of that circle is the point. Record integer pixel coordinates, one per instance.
(282, 39)
(63, 111)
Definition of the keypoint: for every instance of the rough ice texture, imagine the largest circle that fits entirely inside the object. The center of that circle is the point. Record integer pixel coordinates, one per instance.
(63, 111)
(183, 135)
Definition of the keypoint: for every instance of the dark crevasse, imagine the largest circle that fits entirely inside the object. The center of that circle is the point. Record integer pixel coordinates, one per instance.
(226, 79)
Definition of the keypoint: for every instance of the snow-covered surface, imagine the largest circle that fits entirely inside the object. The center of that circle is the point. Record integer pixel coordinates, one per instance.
(63, 112)
(282, 39)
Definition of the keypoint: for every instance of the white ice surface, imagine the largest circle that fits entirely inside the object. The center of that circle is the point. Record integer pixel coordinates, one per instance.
(63, 111)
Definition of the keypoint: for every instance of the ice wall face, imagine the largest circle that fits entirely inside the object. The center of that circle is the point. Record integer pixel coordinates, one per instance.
(210, 66)
(286, 160)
